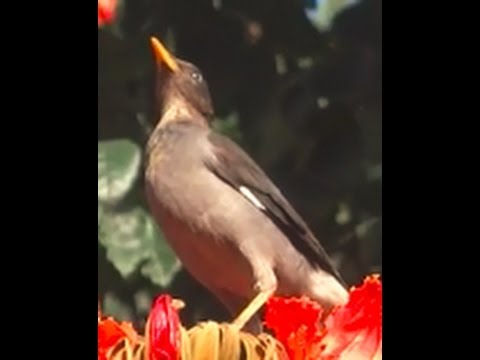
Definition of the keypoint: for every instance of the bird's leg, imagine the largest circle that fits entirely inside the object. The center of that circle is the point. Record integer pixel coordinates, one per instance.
(264, 283)
(258, 301)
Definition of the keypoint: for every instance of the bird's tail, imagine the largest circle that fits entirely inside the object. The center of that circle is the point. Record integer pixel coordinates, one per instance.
(327, 290)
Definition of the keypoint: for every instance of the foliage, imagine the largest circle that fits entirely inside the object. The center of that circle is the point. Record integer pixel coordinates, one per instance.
(302, 99)
(132, 238)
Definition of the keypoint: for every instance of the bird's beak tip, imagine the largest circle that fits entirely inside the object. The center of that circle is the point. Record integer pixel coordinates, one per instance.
(162, 56)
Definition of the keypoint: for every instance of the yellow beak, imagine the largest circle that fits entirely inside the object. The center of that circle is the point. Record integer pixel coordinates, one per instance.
(162, 55)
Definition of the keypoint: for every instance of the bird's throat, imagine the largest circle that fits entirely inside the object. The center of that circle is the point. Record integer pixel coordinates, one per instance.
(177, 110)
(174, 111)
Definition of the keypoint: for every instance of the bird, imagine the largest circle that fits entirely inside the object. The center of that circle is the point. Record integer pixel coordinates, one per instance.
(229, 225)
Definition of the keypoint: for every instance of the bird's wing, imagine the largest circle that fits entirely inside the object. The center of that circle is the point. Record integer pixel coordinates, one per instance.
(235, 167)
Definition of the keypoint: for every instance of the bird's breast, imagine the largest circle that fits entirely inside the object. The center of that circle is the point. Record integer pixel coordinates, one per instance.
(204, 249)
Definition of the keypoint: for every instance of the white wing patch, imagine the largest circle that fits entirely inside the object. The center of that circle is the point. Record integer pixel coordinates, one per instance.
(250, 197)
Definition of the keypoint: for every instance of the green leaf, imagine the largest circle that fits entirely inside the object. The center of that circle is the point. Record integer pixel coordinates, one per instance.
(133, 240)
(323, 13)
(114, 306)
(118, 167)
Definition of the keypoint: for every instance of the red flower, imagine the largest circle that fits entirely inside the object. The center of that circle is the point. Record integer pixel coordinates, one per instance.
(163, 330)
(296, 322)
(106, 11)
(352, 332)
(110, 333)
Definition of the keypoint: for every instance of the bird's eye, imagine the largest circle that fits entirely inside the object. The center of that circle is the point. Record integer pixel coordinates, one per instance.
(197, 77)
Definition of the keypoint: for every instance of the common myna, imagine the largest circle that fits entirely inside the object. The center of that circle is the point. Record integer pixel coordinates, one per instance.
(229, 225)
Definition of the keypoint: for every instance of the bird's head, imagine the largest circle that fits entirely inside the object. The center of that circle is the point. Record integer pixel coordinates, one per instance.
(180, 89)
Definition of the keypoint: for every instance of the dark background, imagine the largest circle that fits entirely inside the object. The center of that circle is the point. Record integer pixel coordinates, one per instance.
(305, 100)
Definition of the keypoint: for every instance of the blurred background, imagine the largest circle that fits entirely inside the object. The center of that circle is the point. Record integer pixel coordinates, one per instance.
(298, 83)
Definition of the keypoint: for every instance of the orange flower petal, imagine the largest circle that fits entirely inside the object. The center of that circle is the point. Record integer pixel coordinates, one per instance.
(110, 332)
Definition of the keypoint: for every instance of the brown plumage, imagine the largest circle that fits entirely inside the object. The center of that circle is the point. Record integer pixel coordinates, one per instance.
(228, 223)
